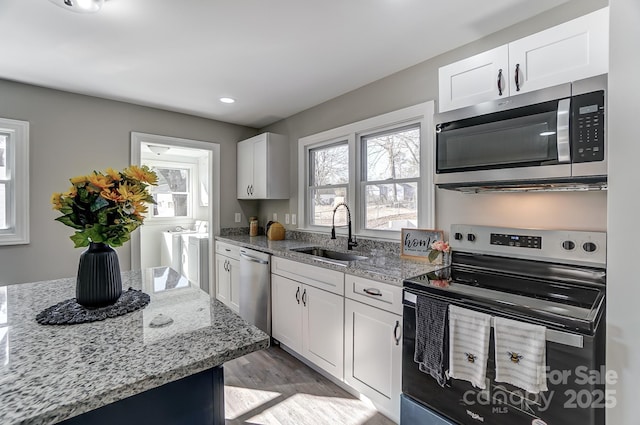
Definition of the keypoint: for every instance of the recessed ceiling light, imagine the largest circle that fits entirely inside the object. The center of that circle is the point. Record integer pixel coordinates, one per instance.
(81, 6)
(227, 100)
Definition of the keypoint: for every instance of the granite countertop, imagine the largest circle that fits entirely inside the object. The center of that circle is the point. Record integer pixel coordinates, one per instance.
(51, 373)
(381, 265)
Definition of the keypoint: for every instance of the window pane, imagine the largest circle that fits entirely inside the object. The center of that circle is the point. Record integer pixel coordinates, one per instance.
(329, 165)
(175, 180)
(393, 155)
(323, 201)
(391, 206)
(3, 206)
(168, 202)
(3, 157)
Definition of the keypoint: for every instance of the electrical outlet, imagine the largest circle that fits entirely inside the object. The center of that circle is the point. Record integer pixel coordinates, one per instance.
(275, 216)
(286, 218)
(238, 217)
(293, 219)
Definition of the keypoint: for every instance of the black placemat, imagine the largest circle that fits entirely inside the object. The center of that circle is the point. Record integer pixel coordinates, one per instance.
(69, 312)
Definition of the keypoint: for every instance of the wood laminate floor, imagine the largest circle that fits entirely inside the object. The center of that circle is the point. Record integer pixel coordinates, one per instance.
(271, 387)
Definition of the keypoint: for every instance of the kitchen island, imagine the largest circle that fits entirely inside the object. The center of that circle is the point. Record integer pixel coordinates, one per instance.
(128, 370)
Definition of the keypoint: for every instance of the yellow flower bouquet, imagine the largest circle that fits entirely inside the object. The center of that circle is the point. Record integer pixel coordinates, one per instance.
(106, 207)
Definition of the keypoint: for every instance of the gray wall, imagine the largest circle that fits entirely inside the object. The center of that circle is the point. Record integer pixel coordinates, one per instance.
(71, 135)
(419, 84)
(623, 292)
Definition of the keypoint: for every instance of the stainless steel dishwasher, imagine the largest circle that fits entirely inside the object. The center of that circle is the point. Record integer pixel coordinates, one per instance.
(255, 288)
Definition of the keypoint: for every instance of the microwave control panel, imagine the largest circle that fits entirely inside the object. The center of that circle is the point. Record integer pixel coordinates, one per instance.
(587, 127)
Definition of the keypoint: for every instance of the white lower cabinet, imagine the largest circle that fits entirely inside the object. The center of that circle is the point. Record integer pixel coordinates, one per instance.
(309, 321)
(227, 275)
(373, 344)
(286, 312)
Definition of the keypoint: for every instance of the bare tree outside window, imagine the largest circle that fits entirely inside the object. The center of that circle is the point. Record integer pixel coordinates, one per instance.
(328, 181)
(390, 186)
(172, 192)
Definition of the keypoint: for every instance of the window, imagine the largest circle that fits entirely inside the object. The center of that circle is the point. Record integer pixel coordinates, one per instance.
(329, 179)
(381, 167)
(14, 182)
(390, 179)
(173, 192)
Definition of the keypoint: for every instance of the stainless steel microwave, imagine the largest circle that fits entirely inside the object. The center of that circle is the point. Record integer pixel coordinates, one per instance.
(550, 138)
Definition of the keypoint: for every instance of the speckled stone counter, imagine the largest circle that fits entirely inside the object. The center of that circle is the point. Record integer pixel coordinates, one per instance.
(50, 373)
(383, 263)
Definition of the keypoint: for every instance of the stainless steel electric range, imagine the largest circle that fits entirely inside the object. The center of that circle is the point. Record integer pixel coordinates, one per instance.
(552, 278)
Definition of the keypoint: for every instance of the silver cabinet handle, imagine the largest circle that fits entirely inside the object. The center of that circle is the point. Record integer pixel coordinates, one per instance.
(304, 298)
(253, 259)
(247, 189)
(298, 295)
(397, 336)
(373, 291)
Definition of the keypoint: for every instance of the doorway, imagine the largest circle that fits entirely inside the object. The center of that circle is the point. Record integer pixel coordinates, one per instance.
(179, 229)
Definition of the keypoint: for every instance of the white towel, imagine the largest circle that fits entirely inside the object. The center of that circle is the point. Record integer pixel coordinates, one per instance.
(469, 333)
(521, 354)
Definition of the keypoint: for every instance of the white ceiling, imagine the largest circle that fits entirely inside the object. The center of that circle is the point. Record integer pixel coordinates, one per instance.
(276, 57)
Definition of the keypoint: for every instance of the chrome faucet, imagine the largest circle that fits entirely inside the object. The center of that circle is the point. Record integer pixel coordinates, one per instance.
(351, 241)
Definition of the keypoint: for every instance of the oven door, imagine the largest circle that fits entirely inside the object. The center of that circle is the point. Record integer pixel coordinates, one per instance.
(575, 381)
(525, 143)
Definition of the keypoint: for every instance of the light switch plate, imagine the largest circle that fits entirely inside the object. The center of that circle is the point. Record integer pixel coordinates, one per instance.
(286, 218)
(293, 219)
(275, 216)
(238, 217)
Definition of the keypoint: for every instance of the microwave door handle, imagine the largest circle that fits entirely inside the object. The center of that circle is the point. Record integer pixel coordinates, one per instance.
(562, 133)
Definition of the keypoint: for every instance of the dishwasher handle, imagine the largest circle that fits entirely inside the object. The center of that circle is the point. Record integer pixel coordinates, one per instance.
(253, 259)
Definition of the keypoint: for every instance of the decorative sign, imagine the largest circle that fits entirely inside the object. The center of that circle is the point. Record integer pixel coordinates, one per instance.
(416, 243)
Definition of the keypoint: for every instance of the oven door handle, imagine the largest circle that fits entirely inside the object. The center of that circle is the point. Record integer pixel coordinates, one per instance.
(552, 335)
(565, 338)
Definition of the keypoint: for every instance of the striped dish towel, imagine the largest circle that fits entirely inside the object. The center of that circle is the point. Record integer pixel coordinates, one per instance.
(521, 354)
(469, 333)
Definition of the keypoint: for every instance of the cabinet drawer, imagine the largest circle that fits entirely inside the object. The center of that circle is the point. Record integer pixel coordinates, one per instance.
(378, 294)
(319, 277)
(228, 250)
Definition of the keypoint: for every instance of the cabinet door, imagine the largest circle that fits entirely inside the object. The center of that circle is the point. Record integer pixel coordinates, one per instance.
(286, 312)
(260, 178)
(244, 162)
(474, 80)
(373, 355)
(568, 52)
(323, 329)
(223, 282)
(234, 285)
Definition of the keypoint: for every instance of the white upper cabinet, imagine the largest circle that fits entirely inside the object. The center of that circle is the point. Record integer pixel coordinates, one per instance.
(474, 80)
(572, 51)
(568, 52)
(263, 167)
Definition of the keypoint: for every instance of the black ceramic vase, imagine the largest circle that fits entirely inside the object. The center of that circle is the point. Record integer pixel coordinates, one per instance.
(99, 283)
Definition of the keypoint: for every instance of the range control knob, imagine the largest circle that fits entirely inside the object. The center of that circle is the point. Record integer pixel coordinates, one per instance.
(471, 237)
(568, 245)
(589, 246)
(458, 236)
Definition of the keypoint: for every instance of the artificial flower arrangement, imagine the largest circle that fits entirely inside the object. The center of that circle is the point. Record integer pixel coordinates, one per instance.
(106, 207)
(438, 247)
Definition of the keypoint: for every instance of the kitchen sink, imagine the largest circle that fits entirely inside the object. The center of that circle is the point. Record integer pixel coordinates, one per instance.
(336, 257)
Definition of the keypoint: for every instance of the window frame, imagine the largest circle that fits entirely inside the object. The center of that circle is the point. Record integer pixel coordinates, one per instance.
(17, 162)
(192, 195)
(363, 182)
(309, 209)
(420, 115)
